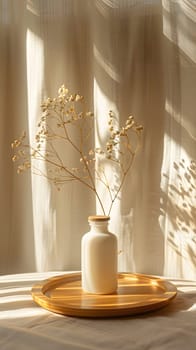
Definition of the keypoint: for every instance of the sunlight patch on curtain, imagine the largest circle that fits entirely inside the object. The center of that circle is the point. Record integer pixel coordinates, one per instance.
(102, 108)
(105, 65)
(43, 218)
(179, 25)
(35, 71)
(32, 8)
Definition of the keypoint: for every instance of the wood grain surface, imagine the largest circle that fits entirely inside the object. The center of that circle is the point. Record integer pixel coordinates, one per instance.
(136, 294)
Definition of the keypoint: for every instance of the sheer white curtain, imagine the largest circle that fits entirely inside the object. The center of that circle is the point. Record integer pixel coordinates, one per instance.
(134, 57)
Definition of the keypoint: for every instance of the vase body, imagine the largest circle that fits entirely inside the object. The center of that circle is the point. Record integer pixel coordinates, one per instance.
(99, 258)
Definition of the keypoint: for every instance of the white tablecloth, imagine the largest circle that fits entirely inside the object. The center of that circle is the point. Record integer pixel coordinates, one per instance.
(25, 325)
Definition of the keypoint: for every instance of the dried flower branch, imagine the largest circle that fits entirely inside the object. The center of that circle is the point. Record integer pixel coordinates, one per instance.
(63, 117)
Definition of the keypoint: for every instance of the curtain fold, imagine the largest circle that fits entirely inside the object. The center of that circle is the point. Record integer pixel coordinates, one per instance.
(132, 57)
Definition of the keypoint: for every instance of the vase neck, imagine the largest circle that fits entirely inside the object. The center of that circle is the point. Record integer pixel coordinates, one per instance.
(99, 223)
(99, 227)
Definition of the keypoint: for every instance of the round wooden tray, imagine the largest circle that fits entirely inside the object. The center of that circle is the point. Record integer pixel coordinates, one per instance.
(136, 294)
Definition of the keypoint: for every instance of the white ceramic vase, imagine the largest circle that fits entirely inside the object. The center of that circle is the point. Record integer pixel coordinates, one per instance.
(99, 257)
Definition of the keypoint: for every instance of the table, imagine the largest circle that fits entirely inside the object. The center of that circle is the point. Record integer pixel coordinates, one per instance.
(25, 325)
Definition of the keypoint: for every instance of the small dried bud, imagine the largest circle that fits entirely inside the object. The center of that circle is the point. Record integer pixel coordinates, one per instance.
(74, 169)
(111, 114)
(72, 98)
(78, 98)
(33, 154)
(14, 158)
(63, 91)
(89, 114)
(26, 165)
(16, 144)
(139, 128)
(80, 115)
(20, 169)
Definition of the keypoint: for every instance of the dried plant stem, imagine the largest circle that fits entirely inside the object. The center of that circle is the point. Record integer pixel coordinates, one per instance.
(62, 167)
(93, 187)
(120, 186)
(124, 175)
(105, 183)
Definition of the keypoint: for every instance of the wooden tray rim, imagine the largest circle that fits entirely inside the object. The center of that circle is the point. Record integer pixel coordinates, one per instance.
(40, 289)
